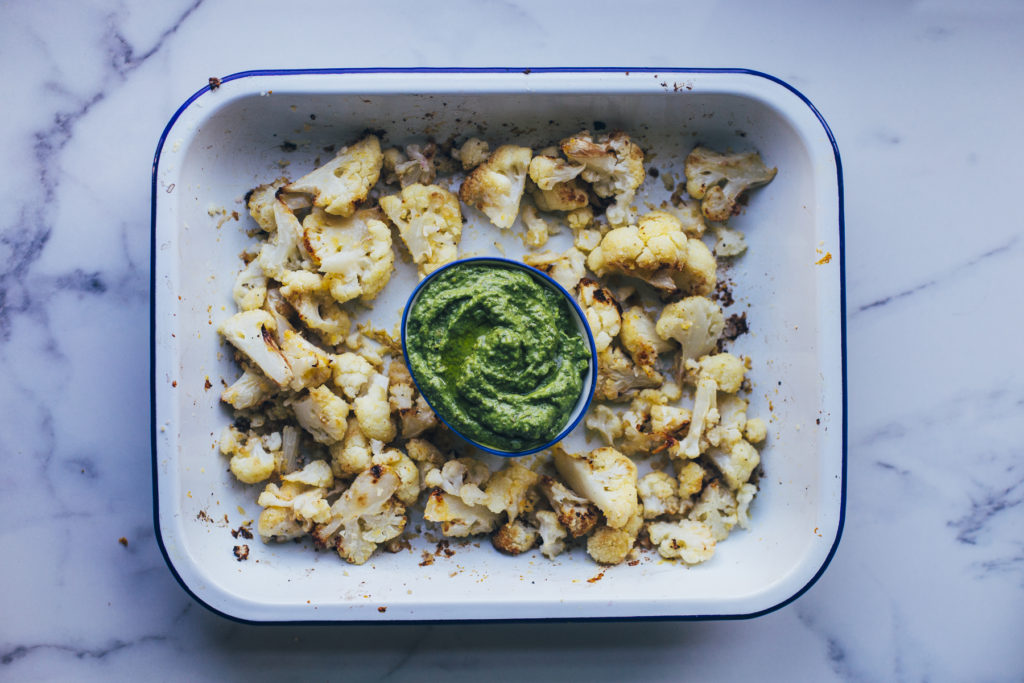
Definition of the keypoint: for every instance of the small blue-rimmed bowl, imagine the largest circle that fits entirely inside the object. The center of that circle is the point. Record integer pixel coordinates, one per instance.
(589, 381)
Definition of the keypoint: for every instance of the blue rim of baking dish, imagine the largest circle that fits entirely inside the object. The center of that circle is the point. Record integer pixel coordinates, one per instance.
(471, 70)
(546, 280)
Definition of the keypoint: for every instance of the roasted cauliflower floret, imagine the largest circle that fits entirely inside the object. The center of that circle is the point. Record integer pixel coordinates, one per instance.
(252, 333)
(686, 539)
(343, 182)
(458, 519)
(547, 171)
(426, 455)
(408, 474)
(618, 378)
(353, 252)
(414, 413)
(248, 391)
(577, 514)
(363, 516)
(507, 489)
(278, 524)
(705, 416)
(473, 152)
(689, 214)
(311, 366)
(659, 494)
(416, 165)
(730, 242)
(514, 537)
(496, 186)
(251, 460)
(732, 418)
(699, 274)
(429, 221)
(250, 290)
(352, 373)
(655, 250)
(568, 196)
(743, 499)
(608, 545)
(604, 421)
(537, 228)
(323, 414)
(718, 180)
(716, 508)
(605, 477)
(309, 294)
(373, 410)
(602, 312)
(696, 322)
(567, 269)
(755, 431)
(726, 369)
(302, 494)
(735, 461)
(552, 534)
(284, 252)
(691, 479)
(614, 167)
(640, 338)
(462, 477)
(353, 454)
(261, 200)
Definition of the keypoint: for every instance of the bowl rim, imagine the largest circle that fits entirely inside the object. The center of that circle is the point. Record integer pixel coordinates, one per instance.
(230, 613)
(587, 393)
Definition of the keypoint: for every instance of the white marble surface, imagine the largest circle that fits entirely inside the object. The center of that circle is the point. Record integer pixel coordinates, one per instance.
(925, 101)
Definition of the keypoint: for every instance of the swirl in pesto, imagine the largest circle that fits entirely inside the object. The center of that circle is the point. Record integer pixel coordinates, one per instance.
(497, 354)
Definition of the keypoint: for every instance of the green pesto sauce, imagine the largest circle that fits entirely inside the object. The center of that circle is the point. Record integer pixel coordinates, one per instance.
(497, 354)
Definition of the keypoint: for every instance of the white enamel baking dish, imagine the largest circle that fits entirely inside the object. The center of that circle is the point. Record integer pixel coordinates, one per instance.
(225, 140)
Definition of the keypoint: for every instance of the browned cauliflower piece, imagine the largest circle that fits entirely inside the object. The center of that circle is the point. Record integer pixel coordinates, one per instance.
(515, 537)
(310, 295)
(655, 250)
(602, 312)
(507, 489)
(640, 338)
(353, 252)
(618, 378)
(496, 186)
(429, 221)
(549, 171)
(567, 269)
(414, 412)
(614, 167)
(608, 545)
(696, 322)
(718, 180)
(605, 477)
(689, 540)
(473, 152)
(577, 514)
(343, 182)
(252, 333)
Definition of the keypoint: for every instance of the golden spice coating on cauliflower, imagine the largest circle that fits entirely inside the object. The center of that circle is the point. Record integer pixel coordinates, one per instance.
(278, 524)
(363, 516)
(718, 180)
(608, 545)
(614, 167)
(690, 477)
(605, 477)
(311, 365)
(353, 252)
(755, 430)
(696, 322)
(549, 171)
(252, 333)
(578, 514)
(618, 378)
(567, 269)
(655, 250)
(252, 460)
(473, 152)
(515, 537)
(458, 518)
(726, 369)
(568, 196)
(323, 414)
(429, 221)
(373, 410)
(537, 228)
(351, 373)
(250, 290)
(496, 186)
(688, 540)
(507, 489)
(640, 338)
(408, 474)
(310, 295)
(353, 454)
(343, 182)
(602, 312)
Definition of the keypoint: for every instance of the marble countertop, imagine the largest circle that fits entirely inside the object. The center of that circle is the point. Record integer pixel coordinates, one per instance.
(923, 98)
